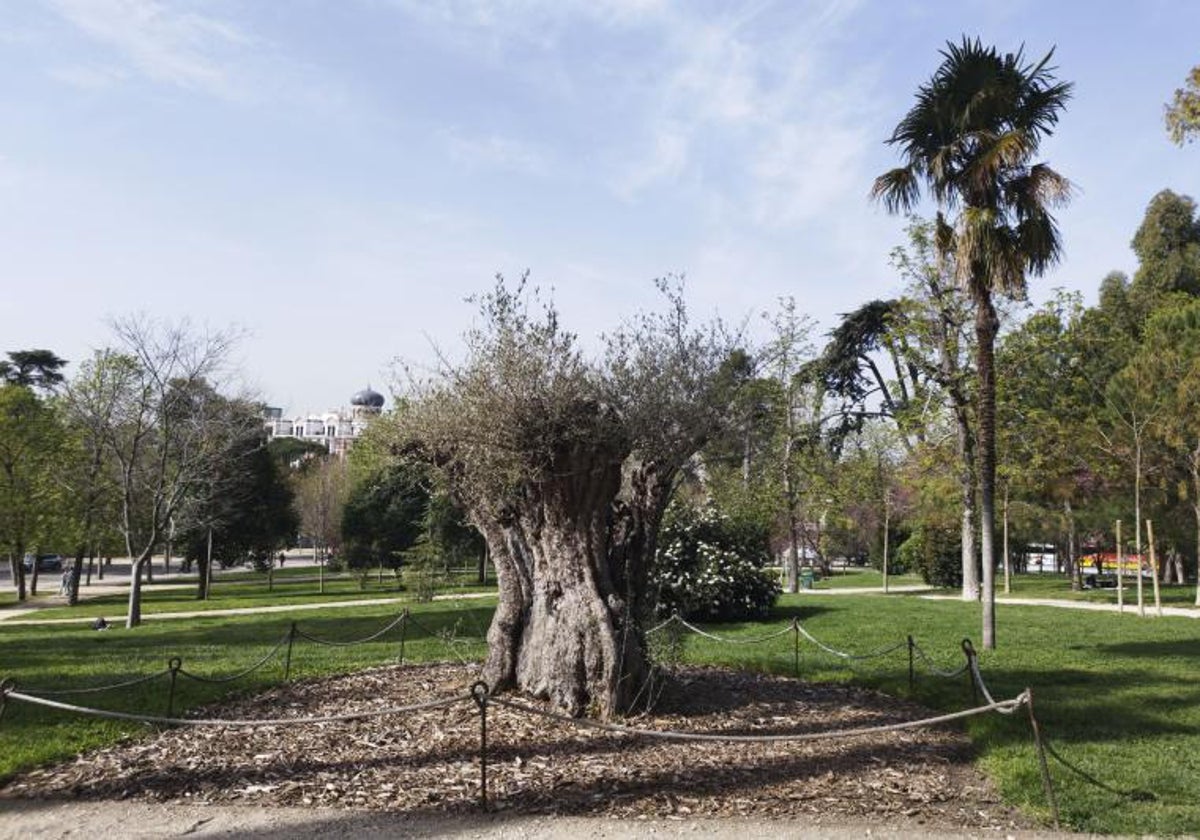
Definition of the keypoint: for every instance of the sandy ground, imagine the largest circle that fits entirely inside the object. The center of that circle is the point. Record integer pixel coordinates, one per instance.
(47, 819)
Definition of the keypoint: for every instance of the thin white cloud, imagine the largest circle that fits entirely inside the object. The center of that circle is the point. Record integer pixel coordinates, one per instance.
(664, 161)
(163, 42)
(496, 152)
(88, 77)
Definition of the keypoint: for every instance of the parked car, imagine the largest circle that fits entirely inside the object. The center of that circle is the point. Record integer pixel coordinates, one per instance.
(46, 562)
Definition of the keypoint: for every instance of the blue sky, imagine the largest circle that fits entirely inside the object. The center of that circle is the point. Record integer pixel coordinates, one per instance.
(336, 177)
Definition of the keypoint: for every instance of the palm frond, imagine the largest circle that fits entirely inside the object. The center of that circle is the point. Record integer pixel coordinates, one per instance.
(1039, 241)
(1036, 189)
(898, 189)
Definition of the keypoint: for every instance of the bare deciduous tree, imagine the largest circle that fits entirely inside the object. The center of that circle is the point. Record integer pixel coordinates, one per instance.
(320, 497)
(166, 430)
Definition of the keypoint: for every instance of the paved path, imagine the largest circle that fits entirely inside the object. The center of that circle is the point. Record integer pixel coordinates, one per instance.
(869, 590)
(22, 820)
(1063, 603)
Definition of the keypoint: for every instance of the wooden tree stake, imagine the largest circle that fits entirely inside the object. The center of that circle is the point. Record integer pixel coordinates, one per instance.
(1154, 568)
(1120, 573)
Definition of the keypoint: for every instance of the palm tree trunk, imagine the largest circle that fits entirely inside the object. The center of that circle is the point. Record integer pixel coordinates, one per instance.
(986, 325)
(966, 482)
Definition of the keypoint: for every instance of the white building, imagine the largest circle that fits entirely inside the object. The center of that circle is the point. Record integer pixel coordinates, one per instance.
(336, 430)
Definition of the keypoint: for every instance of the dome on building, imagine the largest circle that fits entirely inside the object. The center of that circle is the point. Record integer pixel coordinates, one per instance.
(367, 398)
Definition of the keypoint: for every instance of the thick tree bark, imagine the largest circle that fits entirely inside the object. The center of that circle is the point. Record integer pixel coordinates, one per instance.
(133, 617)
(1195, 467)
(1072, 564)
(570, 559)
(16, 563)
(986, 325)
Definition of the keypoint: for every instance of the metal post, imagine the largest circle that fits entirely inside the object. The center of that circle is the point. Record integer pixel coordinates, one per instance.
(1047, 782)
(479, 692)
(796, 643)
(173, 666)
(969, 652)
(1154, 569)
(403, 633)
(287, 661)
(6, 686)
(208, 566)
(910, 664)
(1120, 572)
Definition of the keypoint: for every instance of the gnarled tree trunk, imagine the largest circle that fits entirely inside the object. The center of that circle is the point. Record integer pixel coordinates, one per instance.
(570, 556)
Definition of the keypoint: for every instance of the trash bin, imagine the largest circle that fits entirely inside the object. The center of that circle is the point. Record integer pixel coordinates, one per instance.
(806, 578)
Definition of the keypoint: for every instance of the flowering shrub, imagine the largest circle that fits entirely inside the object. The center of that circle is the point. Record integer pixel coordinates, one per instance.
(709, 567)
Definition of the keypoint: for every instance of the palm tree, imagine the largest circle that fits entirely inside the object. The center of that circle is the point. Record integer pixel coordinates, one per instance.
(970, 141)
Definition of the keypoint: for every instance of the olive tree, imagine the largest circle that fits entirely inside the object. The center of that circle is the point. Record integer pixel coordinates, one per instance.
(566, 465)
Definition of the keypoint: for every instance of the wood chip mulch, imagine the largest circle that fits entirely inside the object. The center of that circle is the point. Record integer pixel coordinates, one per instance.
(428, 761)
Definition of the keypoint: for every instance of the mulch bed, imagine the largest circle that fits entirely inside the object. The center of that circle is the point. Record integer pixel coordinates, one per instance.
(428, 761)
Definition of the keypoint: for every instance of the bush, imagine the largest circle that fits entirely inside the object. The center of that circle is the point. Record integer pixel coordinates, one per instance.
(424, 571)
(935, 553)
(710, 568)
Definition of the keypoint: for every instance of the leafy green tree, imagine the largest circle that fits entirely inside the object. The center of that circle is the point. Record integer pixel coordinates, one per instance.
(1183, 112)
(451, 536)
(30, 443)
(245, 509)
(40, 369)
(785, 357)
(89, 403)
(1051, 415)
(385, 514)
(971, 140)
(932, 319)
(849, 369)
(294, 455)
(1167, 244)
(1170, 360)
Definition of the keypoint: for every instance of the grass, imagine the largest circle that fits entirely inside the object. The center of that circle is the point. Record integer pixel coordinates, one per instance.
(241, 593)
(865, 578)
(1059, 586)
(63, 657)
(1116, 695)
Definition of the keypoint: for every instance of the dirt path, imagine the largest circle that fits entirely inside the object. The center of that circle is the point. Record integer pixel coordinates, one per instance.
(24, 820)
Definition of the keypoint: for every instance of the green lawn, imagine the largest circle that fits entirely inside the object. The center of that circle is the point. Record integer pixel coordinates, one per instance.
(865, 578)
(1117, 695)
(63, 657)
(240, 593)
(1059, 586)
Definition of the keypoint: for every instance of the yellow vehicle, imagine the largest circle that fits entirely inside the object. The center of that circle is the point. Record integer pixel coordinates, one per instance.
(1105, 563)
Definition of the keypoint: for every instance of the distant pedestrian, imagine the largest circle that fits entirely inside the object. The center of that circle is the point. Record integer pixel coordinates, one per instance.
(282, 557)
(64, 587)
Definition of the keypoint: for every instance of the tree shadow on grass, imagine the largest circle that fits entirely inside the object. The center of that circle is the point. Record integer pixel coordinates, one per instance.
(1094, 707)
(1184, 648)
